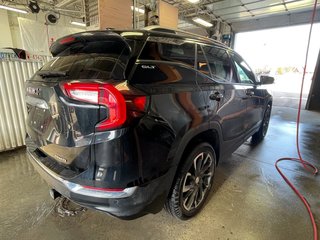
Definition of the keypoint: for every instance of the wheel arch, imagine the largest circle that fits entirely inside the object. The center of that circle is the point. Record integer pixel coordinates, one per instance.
(210, 134)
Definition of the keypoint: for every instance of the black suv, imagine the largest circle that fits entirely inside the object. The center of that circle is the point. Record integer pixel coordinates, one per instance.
(127, 122)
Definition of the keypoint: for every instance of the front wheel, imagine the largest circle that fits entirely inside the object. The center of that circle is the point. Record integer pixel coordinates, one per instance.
(193, 183)
(259, 136)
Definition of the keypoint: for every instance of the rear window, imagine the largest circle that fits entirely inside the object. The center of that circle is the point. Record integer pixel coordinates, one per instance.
(87, 66)
(91, 60)
(113, 47)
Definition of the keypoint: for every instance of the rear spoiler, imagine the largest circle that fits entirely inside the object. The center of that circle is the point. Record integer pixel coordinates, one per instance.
(80, 40)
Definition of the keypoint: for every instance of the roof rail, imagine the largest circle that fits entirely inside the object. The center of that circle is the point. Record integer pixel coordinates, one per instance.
(180, 32)
(170, 30)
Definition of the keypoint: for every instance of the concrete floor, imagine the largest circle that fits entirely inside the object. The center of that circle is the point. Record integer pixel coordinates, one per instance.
(249, 201)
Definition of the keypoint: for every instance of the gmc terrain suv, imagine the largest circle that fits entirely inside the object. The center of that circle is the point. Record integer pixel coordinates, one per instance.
(127, 122)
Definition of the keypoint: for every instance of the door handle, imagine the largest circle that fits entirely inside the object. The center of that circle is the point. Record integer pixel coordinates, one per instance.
(216, 96)
(249, 93)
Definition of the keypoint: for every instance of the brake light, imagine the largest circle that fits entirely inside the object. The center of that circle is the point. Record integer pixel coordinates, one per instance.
(67, 40)
(102, 94)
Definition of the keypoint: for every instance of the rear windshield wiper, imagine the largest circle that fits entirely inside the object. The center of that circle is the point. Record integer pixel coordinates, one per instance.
(46, 74)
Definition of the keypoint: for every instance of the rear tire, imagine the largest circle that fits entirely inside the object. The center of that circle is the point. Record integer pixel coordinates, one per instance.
(259, 136)
(193, 183)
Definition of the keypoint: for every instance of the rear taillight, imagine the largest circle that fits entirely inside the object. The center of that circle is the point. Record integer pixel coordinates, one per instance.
(102, 94)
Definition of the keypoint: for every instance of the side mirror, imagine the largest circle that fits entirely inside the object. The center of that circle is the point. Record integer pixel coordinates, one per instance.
(266, 80)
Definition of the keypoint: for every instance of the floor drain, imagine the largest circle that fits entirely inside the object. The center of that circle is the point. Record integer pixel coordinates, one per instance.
(66, 208)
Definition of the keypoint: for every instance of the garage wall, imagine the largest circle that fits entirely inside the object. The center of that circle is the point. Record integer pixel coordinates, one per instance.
(10, 32)
(5, 39)
(13, 74)
(38, 37)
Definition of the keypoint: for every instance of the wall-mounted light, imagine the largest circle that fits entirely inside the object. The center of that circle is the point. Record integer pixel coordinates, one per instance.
(78, 23)
(139, 10)
(202, 22)
(13, 9)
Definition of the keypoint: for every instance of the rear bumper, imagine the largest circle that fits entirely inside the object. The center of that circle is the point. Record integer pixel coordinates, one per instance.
(129, 203)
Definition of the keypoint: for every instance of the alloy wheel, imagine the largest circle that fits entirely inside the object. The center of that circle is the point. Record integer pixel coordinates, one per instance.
(266, 120)
(197, 181)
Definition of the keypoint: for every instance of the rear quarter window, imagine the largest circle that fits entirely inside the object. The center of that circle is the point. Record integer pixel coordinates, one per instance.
(180, 53)
(163, 73)
(166, 61)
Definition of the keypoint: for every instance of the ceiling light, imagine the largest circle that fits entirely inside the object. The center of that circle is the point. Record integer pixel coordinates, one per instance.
(139, 10)
(194, 1)
(13, 9)
(78, 24)
(202, 22)
(124, 34)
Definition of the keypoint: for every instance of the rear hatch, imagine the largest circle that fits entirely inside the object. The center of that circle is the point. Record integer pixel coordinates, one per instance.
(73, 96)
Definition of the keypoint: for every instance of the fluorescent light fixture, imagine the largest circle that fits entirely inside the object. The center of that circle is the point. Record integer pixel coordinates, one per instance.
(202, 22)
(139, 10)
(78, 23)
(124, 34)
(13, 9)
(194, 1)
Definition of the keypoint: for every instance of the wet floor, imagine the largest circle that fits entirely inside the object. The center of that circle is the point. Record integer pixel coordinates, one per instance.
(249, 201)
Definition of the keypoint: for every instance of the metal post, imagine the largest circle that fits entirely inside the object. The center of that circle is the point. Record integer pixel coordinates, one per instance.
(313, 102)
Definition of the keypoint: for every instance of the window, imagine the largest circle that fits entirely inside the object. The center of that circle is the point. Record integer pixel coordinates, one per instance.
(166, 51)
(244, 72)
(181, 53)
(100, 59)
(163, 73)
(219, 62)
(87, 66)
(202, 64)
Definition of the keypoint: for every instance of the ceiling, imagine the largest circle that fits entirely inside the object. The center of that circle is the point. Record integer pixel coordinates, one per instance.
(228, 12)
(239, 10)
(72, 8)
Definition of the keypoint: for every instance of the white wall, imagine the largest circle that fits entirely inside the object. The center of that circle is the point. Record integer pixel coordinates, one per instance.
(10, 32)
(5, 39)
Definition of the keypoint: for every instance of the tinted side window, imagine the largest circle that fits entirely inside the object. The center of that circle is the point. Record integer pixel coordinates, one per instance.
(162, 73)
(202, 64)
(219, 62)
(182, 53)
(244, 72)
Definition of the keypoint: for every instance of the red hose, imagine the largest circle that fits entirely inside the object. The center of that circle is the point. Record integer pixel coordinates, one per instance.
(308, 166)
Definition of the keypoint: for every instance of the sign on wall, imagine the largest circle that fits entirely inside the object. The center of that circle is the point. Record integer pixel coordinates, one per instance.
(7, 54)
